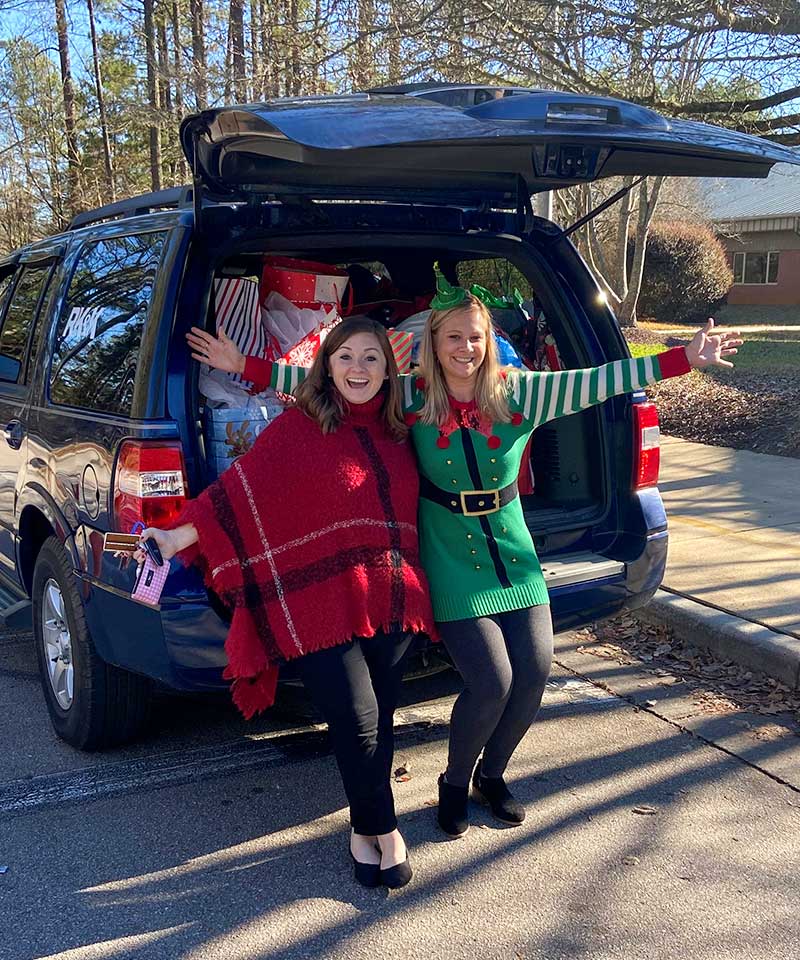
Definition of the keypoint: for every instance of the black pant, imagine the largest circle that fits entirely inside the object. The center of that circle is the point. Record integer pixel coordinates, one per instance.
(504, 661)
(355, 685)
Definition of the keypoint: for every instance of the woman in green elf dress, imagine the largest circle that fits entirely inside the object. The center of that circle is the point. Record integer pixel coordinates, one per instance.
(470, 423)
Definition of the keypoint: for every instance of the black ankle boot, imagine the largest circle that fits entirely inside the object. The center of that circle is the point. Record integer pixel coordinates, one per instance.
(452, 814)
(494, 792)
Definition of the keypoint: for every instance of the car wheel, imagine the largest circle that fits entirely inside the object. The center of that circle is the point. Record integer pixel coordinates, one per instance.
(92, 704)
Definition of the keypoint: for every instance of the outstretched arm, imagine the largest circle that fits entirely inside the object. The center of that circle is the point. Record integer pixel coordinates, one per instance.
(219, 352)
(546, 396)
(223, 354)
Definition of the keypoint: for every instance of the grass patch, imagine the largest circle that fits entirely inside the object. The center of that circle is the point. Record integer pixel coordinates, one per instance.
(779, 336)
(645, 349)
(742, 317)
(766, 356)
(764, 352)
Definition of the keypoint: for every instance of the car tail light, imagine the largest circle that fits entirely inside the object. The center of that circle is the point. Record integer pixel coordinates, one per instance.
(149, 484)
(646, 445)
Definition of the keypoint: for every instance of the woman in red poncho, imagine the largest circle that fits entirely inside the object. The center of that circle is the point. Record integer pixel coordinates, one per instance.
(316, 553)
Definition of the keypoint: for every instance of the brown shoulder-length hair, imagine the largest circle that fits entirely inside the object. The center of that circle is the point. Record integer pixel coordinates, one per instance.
(491, 389)
(318, 397)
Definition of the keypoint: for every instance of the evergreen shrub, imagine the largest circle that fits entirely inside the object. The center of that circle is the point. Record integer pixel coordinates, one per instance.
(686, 274)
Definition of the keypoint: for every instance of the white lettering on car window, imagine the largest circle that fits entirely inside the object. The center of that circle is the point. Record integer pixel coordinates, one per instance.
(82, 323)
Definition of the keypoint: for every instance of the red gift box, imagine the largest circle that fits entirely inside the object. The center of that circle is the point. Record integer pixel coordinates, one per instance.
(304, 282)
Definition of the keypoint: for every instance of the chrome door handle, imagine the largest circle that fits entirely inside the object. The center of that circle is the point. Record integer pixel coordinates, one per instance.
(13, 434)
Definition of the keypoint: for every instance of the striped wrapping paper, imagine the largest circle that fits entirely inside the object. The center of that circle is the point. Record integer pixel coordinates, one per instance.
(238, 314)
(402, 343)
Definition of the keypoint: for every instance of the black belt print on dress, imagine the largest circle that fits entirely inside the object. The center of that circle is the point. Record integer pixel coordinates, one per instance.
(475, 477)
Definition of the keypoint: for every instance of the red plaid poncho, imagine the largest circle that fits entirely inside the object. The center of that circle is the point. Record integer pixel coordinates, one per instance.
(310, 539)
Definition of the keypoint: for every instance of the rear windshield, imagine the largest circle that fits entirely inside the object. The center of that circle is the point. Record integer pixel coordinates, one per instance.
(101, 323)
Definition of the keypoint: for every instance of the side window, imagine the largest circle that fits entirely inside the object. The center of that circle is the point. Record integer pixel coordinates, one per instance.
(5, 286)
(40, 324)
(19, 319)
(101, 323)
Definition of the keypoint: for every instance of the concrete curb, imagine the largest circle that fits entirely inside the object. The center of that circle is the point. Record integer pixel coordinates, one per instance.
(749, 644)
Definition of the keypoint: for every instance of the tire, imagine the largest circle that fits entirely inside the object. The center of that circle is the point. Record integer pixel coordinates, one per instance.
(91, 703)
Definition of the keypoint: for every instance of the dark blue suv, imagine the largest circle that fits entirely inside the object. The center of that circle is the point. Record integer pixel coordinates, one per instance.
(104, 423)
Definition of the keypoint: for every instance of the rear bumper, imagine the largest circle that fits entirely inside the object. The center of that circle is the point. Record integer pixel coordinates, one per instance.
(575, 605)
(181, 645)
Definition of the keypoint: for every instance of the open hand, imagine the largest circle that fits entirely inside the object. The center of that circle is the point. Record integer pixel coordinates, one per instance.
(707, 349)
(220, 351)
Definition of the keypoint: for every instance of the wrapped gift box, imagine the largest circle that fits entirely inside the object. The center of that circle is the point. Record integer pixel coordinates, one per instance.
(232, 431)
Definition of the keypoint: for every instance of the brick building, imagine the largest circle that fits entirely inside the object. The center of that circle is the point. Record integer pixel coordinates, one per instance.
(758, 222)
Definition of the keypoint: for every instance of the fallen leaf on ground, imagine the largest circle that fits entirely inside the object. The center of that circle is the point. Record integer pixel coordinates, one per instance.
(401, 774)
(748, 416)
(645, 810)
(717, 687)
(770, 731)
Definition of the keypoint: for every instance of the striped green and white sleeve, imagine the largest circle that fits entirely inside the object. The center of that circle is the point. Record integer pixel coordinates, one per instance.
(541, 397)
(413, 390)
(280, 376)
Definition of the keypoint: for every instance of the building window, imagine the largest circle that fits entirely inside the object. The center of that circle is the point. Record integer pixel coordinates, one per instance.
(755, 267)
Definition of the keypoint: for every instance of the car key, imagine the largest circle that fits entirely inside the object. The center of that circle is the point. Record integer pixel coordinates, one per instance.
(151, 549)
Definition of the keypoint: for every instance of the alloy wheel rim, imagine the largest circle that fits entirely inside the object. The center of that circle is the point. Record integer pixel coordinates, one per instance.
(57, 645)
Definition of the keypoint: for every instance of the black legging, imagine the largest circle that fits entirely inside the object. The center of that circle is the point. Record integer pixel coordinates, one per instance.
(355, 686)
(504, 661)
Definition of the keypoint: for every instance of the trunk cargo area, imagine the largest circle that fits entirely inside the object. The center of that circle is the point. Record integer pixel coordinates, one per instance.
(389, 279)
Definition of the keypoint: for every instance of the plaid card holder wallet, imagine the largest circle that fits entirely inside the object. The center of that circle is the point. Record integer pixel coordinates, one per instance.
(150, 582)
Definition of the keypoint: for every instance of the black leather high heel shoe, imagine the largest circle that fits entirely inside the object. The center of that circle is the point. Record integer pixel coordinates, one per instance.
(367, 874)
(397, 876)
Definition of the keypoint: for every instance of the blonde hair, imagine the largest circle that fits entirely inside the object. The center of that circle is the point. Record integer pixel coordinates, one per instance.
(491, 389)
(318, 397)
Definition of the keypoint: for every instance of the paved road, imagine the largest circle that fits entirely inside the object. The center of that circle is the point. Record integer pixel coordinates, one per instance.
(655, 830)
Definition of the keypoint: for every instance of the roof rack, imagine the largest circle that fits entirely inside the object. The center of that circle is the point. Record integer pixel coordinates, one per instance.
(135, 206)
(409, 87)
(428, 85)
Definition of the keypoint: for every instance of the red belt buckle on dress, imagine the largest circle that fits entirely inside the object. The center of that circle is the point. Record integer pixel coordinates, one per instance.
(480, 499)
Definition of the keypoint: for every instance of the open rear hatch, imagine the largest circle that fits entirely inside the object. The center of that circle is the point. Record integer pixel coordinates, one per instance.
(396, 147)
